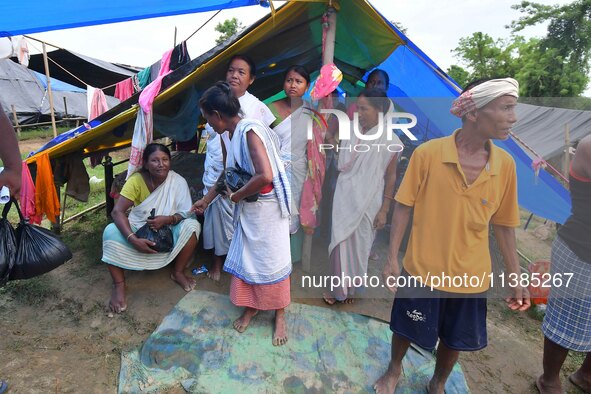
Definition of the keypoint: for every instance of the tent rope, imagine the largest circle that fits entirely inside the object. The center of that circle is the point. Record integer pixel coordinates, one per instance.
(537, 155)
(206, 22)
(56, 63)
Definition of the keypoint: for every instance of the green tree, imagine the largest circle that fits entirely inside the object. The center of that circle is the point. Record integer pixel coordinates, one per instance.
(562, 56)
(460, 75)
(556, 65)
(227, 29)
(487, 57)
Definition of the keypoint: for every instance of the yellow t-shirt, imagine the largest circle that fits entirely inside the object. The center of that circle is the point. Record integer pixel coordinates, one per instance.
(135, 189)
(451, 220)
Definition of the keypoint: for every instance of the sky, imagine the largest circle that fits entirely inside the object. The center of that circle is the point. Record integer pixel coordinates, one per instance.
(434, 26)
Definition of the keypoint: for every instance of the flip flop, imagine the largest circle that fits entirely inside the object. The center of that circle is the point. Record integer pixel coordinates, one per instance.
(3, 386)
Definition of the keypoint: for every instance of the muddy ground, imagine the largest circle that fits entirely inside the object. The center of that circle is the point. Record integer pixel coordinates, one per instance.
(57, 338)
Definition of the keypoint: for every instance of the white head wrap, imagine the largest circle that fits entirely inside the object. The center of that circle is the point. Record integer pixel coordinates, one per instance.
(482, 94)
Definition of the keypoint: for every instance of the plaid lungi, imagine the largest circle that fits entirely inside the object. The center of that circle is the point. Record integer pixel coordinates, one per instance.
(568, 316)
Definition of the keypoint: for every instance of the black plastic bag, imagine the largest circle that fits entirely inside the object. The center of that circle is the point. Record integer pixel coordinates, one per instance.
(7, 246)
(162, 238)
(38, 250)
(236, 178)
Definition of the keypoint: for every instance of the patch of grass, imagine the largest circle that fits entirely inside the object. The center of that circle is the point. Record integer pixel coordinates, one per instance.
(35, 291)
(31, 133)
(85, 234)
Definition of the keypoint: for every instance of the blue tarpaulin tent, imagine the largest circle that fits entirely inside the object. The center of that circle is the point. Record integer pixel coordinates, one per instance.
(428, 92)
(40, 15)
(365, 42)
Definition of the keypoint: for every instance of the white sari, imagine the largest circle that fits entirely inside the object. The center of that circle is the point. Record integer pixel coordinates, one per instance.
(171, 197)
(260, 252)
(358, 197)
(218, 223)
(292, 133)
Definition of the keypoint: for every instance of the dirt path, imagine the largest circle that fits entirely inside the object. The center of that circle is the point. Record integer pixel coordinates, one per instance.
(56, 336)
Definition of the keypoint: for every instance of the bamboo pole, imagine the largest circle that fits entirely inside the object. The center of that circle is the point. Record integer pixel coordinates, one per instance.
(94, 208)
(566, 165)
(16, 125)
(65, 107)
(49, 93)
(327, 57)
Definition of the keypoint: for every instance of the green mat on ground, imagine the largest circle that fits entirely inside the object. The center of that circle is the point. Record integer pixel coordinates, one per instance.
(196, 347)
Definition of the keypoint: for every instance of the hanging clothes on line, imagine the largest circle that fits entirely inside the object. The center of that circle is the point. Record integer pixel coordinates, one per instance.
(180, 56)
(144, 78)
(151, 91)
(124, 89)
(28, 196)
(70, 170)
(20, 50)
(46, 199)
(97, 102)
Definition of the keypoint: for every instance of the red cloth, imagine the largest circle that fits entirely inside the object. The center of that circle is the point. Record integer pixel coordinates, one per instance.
(267, 189)
(28, 196)
(312, 188)
(124, 89)
(261, 297)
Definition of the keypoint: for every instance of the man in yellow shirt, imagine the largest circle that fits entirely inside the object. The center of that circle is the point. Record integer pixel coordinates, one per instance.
(457, 186)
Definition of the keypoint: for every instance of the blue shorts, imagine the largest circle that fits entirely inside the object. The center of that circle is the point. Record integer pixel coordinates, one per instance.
(422, 315)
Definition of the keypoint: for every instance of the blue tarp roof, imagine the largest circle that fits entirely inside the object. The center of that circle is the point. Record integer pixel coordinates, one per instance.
(429, 93)
(33, 16)
(57, 85)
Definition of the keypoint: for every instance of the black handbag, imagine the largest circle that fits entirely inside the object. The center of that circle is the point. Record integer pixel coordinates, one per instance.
(7, 246)
(162, 238)
(38, 250)
(236, 178)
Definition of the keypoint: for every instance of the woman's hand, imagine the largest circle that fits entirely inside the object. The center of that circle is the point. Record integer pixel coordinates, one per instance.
(380, 220)
(142, 245)
(200, 206)
(159, 221)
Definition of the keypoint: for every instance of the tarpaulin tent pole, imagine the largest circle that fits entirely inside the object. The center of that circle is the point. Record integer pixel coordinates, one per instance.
(566, 164)
(16, 125)
(327, 57)
(49, 90)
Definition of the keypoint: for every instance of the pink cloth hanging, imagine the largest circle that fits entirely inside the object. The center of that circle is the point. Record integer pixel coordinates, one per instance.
(124, 89)
(98, 104)
(151, 91)
(28, 196)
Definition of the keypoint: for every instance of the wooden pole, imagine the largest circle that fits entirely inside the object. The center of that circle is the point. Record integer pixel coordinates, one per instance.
(65, 107)
(46, 63)
(327, 57)
(16, 125)
(566, 165)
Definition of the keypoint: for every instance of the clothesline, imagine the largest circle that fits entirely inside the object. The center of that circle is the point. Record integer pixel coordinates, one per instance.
(537, 155)
(114, 84)
(59, 65)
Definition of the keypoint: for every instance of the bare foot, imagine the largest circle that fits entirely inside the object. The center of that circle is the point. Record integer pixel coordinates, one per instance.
(117, 304)
(579, 380)
(215, 273)
(435, 388)
(548, 387)
(280, 331)
(387, 383)
(184, 281)
(241, 324)
(331, 300)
